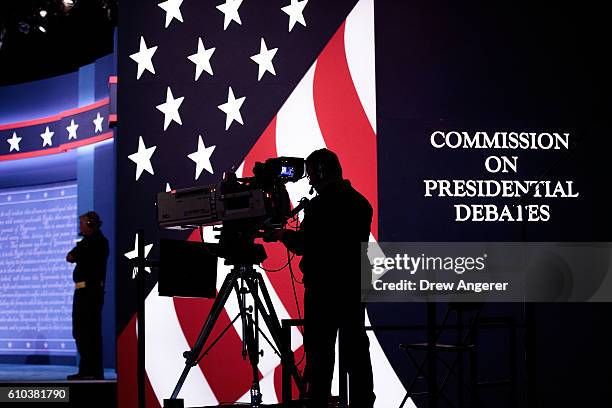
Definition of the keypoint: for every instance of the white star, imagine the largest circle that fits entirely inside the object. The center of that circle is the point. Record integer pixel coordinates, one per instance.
(98, 122)
(14, 142)
(142, 158)
(28, 344)
(133, 254)
(46, 194)
(47, 137)
(168, 188)
(72, 130)
(230, 12)
(27, 196)
(202, 59)
(264, 59)
(172, 9)
(295, 10)
(170, 109)
(232, 109)
(144, 58)
(202, 158)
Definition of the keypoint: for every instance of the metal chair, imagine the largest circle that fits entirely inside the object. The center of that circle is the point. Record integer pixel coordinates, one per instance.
(465, 336)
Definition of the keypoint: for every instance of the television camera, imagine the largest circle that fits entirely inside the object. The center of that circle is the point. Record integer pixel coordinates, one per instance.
(246, 208)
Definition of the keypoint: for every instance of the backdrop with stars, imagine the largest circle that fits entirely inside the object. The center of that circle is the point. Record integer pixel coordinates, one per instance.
(206, 88)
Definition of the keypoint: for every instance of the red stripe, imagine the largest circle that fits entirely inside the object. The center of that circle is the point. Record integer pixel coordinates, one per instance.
(59, 149)
(113, 80)
(86, 108)
(343, 122)
(112, 118)
(228, 375)
(278, 378)
(281, 280)
(127, 385)
(32, 122)
(127, 394)
(57, 117)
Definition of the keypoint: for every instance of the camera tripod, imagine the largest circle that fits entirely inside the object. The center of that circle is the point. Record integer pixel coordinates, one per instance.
(242, 279)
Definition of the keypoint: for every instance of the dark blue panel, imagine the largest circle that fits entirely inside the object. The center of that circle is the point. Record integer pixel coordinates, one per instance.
(105, 67)
(38, 99)
(38, 170)
(104, 205)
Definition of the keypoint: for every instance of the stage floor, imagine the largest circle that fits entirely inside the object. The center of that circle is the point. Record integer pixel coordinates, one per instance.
(40, 372)
(80, 394)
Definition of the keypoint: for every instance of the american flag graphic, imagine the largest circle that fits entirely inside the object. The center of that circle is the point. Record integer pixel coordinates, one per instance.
(206, 87)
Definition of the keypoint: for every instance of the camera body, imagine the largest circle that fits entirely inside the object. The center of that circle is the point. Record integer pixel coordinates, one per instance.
(259, 201)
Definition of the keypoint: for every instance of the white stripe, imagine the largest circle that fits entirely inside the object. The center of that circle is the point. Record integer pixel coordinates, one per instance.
(165, 344)
(388, 388)
(240, 170)
(297, 130)
(360, 55)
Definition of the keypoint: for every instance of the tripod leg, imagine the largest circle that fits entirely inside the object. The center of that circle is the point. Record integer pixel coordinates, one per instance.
(271, 320)
(242, 314)
(192, 355)
(249, 343)
(253, 359)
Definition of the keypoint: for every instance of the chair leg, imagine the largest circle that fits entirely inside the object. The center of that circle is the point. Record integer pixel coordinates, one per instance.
(439, 389)
(471, 387)
(404, 400)
(512, 366)
(419, 368)
(475, 401)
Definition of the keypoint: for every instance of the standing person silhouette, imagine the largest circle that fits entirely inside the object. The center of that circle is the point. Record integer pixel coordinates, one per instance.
(90, 256)
(335, 224)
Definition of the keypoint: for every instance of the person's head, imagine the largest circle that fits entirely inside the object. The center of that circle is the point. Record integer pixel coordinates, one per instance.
(322, 168)
(89, 223)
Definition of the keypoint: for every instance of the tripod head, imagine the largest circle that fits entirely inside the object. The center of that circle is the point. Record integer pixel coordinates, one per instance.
(237, 243)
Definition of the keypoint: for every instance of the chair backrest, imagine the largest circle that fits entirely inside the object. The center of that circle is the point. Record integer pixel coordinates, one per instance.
(466, 306)
(466, 321)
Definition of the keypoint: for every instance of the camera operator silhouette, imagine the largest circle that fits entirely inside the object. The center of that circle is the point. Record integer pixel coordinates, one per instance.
(335, 223)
